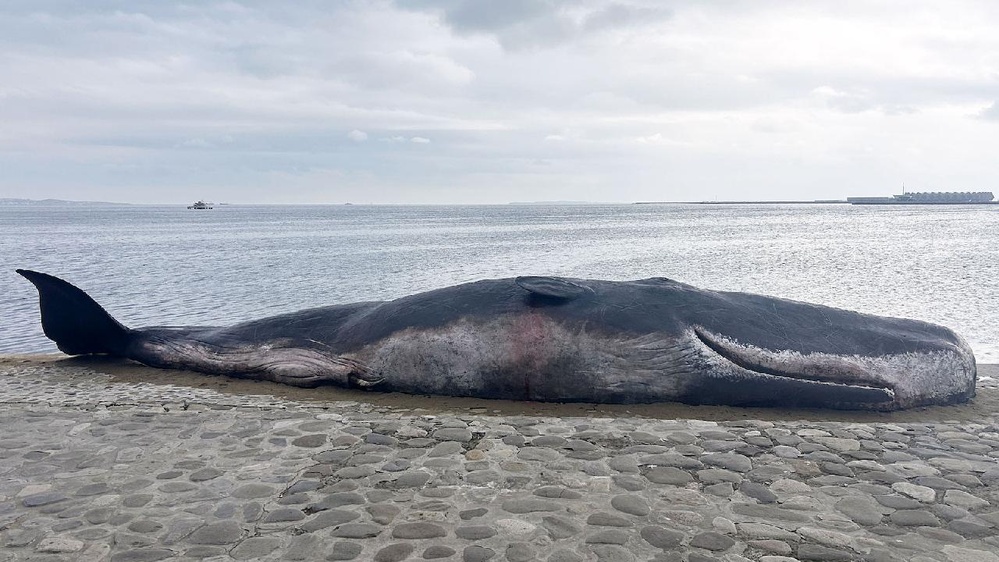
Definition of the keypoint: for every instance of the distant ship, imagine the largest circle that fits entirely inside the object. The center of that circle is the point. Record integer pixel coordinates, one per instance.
(929, 198)
(200, 205)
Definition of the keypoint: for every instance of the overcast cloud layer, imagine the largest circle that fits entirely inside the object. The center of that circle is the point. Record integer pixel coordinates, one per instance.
(462, 101)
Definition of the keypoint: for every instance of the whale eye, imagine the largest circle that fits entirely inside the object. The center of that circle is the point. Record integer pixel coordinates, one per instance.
(552, 287)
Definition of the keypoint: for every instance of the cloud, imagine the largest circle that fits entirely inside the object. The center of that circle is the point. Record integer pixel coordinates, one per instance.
(846, 102)
(141, 96)
(991, 112)
(528, 24)
(623, 16)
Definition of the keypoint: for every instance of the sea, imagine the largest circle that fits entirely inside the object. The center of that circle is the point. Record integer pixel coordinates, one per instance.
(167, 265)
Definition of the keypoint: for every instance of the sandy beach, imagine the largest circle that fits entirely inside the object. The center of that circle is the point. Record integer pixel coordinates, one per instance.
(108, 460)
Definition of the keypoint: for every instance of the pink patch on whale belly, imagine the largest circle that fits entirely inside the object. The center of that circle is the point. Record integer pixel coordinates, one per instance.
(529, 339)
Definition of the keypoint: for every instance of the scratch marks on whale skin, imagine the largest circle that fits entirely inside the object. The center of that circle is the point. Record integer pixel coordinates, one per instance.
(531, 357)
(282, 361)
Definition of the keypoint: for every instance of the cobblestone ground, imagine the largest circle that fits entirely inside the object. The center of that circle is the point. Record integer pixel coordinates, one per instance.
(95, 470)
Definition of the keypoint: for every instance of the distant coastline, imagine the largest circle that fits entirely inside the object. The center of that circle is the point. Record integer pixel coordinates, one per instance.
(769, 202)
(51, 202)
(19, 202)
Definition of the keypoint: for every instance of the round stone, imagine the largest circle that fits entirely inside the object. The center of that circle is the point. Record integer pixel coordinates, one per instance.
(344, 551)
(476, 553)
(563, 555)
(337, 499)
(382, 514)
(914, 518)
(964, 499)
(438, 551)
(824, 536)
(472, 513)
(396, 465)
(530, 505)
(43, 498)
(224, 532)
(520, 552)
(330, 518)
(861, 509)
(548, 441)
(919, 493)
(154, 554)
(809, 551)
(249, 491)
(631, 504)
(661, 537)
(729, 461)
(785, 452)
(145, 526)
(712, 541)
(310, 441)
(419, 530)
(669, 475)
(607, 520)
(205, 474)
(758, 492)
(474, 532)
(557, 492)
(255, 548)
(93, 489)
(357, 531)
(284, 514)
(609, 536)
(615, 553)
(177, 487)
(394, 552)
(453, 434)
(56, 545)
(445, 449)
(136, 500)
(560, 527)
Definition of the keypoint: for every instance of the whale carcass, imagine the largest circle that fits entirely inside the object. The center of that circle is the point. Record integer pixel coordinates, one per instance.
(557, 339)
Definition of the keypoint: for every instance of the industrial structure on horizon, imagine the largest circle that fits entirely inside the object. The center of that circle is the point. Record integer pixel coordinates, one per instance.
(929, 198)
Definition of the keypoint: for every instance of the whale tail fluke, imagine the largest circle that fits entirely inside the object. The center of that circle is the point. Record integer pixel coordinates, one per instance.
(73, 320)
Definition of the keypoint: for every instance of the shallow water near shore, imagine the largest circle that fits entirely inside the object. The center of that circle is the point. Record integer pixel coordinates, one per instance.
(166, 265)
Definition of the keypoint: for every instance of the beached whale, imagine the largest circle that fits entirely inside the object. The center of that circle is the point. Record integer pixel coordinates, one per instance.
(556, 339)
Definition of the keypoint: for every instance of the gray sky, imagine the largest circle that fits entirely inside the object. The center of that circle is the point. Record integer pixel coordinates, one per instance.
(460, 101)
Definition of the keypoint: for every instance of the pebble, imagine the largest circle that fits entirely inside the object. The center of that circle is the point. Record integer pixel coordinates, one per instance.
(102, 471)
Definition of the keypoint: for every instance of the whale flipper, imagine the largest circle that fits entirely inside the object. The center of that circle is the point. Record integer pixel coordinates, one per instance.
(73, 320)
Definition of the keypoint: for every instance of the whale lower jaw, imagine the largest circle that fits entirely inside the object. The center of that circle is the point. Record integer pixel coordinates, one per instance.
(883, 383)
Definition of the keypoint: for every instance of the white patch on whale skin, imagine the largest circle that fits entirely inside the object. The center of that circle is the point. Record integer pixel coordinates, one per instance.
(531, 356)
(913, 378)
(276, 361)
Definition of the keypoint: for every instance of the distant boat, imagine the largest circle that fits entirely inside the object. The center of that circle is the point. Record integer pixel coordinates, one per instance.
(200, 205)
(929, 198)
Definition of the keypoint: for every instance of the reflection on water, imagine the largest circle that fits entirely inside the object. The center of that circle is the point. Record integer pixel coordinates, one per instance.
(168, 265)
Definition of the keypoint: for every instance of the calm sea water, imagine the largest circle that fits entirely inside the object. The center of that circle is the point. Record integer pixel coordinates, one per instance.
(163, 265)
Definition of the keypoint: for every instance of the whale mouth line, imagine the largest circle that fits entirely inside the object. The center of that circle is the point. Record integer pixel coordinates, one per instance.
(825, 371)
